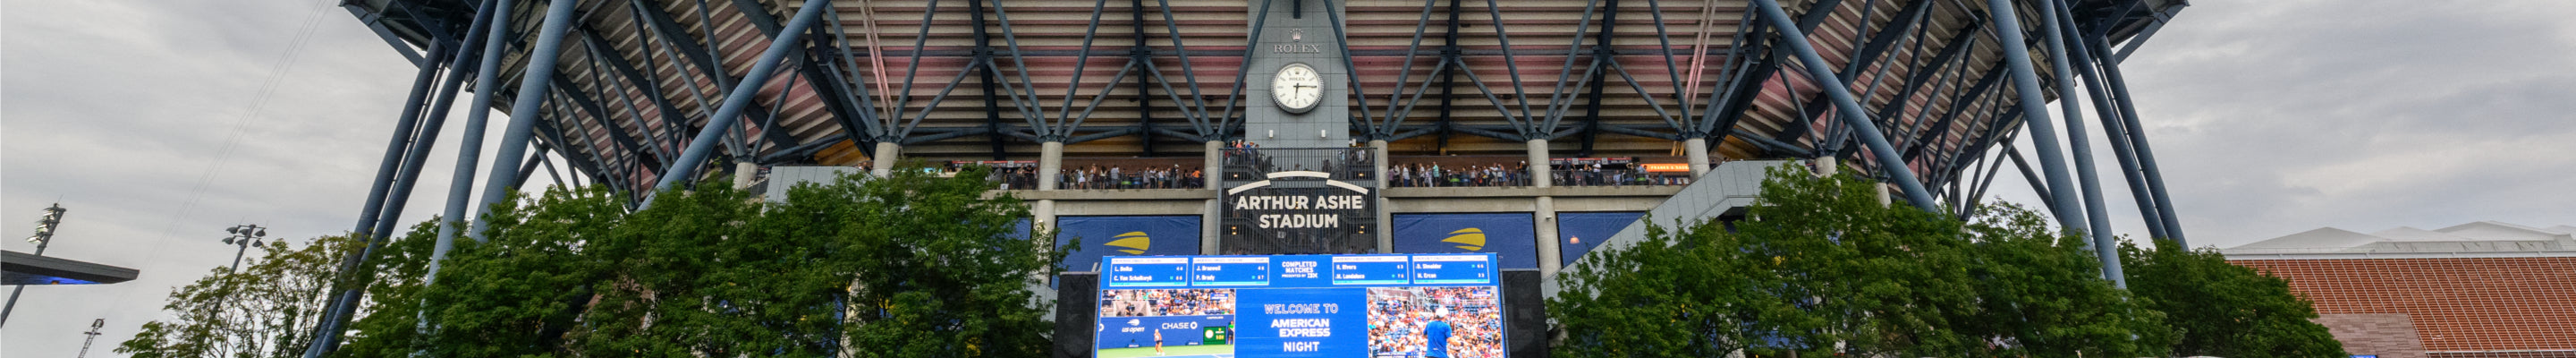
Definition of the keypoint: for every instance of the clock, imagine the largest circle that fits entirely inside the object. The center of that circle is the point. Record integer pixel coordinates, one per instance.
(1297, 88)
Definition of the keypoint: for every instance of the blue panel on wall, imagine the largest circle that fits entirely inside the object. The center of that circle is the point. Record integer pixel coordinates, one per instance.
(1126, 236)
(1578, 233)
(1510, 235)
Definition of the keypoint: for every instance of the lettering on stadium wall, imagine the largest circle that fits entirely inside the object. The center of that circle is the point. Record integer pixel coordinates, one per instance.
(1291, 220)
(1295, 48)
(1299, 204)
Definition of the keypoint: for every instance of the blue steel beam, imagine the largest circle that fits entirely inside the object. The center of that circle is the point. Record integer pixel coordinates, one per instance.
(1869, 53)
(1763, 63)
(2044, 138)
(2138, 137)
(582, 101)
(534, 82)
(2104, 248)
(739, 97)
(1851, 111)
(470, 148)
(2081, 53)
(386, 207)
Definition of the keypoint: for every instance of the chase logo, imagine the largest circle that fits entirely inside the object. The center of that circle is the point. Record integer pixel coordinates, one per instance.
(1470, 239)
(1135, 242)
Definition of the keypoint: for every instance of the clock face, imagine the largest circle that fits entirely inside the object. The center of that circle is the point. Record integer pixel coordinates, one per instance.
(1297, 88)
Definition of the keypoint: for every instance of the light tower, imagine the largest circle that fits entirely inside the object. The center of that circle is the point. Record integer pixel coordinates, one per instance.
(94, 325)
(44, 237)
(245, 236)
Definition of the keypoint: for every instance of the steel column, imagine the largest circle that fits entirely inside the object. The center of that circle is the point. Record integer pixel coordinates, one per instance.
(2099, 220)
(2110, 118)
(2146, 154)
(535, 79)
(1860, 123)
(740, 96)
(2035, 114)
(469, 151)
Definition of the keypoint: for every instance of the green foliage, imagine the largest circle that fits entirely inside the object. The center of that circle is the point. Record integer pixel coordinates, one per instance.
(2220, 309)
(2044, 292)
(1820, 266)
(905, 266)
(265, 310)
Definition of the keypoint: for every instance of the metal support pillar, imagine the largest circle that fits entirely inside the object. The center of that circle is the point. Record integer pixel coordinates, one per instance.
(2146, 154)
(469, 148)
(2083, 55)
(2043, 137)
(2099, 220)
(1849, 109)
(740, 98)
(534, 84)
(404, 127)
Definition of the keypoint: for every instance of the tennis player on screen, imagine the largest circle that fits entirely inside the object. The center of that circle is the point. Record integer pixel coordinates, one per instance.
(1435, 335)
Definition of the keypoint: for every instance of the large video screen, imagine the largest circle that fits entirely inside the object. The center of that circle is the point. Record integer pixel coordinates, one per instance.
(1390, 306)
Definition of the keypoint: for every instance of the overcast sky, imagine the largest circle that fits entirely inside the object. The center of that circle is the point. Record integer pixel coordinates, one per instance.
(2269, 117)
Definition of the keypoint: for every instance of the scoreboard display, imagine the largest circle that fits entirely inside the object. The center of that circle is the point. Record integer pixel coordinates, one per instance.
(1391, 306)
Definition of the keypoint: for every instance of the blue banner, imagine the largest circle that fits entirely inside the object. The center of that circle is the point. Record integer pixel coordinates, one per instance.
(1125, 236)
(1509, 235)
(1578, 233)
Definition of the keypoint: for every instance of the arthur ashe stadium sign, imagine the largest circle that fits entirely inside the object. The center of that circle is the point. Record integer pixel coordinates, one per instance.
(1299, 212)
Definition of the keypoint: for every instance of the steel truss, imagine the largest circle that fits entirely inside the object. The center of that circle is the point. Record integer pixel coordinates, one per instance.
(640, 95)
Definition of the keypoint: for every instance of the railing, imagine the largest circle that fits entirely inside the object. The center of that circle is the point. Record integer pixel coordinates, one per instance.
(1617, 177)
(1429, 176)
(1122, 177)
(1254, 164)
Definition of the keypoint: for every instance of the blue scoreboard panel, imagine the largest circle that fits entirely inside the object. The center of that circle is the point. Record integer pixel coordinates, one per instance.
(1301, 306)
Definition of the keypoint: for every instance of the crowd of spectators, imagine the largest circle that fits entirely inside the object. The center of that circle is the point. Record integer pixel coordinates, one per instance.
(1418, 175)
(1436, 175)
(1120, 177)
(1166, 302)
(1397, 316)
(1105, 177)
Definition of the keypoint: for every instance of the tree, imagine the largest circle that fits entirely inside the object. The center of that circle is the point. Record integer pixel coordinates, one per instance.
(944, 274)
(267, 309)
(2220, 309)
(2041, 294)
(907, 265)
(1818, 265)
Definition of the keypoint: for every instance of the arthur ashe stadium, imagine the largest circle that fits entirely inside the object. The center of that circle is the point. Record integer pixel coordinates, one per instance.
(1533, 130)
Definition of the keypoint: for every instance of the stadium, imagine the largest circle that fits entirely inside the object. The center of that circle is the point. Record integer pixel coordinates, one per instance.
(1535, 130)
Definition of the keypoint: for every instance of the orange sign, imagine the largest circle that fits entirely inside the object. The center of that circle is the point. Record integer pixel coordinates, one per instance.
(1667, 167)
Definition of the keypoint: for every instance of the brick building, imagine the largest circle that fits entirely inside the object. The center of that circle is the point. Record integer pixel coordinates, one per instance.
(2482, 289)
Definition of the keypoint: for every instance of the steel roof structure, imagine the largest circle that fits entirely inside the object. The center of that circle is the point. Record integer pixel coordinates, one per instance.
(641, 94)
(636, 79)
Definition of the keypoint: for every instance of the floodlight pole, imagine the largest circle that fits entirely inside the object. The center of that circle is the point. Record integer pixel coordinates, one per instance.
(244, 236)
(44, 237)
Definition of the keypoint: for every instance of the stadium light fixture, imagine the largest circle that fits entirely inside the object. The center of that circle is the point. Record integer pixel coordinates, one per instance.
(245, 237)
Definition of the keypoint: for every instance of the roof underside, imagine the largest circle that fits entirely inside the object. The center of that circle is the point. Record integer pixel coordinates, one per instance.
(638, 77)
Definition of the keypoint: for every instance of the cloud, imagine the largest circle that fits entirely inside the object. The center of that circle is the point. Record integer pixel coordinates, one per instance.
(2274, 117)
(2269, 117)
